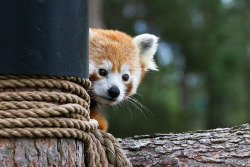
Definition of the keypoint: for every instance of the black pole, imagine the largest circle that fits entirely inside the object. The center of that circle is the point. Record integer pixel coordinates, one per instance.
(47, 37)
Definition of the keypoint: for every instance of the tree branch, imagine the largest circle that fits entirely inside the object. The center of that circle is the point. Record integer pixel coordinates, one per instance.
(222, 146)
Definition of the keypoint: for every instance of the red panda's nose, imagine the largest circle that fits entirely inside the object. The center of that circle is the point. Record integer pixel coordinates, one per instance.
(114, 92)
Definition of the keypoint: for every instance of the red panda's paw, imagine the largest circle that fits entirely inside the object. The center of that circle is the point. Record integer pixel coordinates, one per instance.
(103, 124)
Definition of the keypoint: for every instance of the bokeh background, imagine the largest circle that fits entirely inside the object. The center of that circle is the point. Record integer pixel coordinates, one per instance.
(204, 62)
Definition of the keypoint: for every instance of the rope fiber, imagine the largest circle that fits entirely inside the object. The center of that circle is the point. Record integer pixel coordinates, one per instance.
(38, 106)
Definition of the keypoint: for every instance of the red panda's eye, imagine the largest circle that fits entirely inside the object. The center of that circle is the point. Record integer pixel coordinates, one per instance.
(125, 77)
(102, 72)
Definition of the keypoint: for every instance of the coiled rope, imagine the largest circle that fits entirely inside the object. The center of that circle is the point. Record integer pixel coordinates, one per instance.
(50, 106)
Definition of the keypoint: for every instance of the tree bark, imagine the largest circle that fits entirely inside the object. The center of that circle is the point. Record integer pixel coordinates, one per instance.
(26, 152)
(216, 147)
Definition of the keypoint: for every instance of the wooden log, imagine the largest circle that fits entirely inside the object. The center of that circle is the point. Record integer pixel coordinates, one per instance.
(216, 147)
(26, 152)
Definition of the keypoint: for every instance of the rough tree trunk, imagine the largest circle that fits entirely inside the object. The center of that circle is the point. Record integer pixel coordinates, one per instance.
(217, 147)
(41, 152)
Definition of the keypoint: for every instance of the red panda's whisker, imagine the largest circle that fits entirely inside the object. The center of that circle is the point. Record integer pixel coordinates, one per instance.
(125, 104)
(115, 108)
(139, 96)
(141, 106)
(137, 107)
(145, 108)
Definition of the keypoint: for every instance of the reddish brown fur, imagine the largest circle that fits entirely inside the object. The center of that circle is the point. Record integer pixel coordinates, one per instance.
(103, 124)
(129, 88)
(94, 77)
(143, 72)
(113, 48)
(118, 48)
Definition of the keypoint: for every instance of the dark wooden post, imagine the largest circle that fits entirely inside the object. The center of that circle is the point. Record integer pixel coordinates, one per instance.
(47, 37)
(44, 37)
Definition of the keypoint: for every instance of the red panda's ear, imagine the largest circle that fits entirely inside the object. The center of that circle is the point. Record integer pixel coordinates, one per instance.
(90, 33)
(147, 46)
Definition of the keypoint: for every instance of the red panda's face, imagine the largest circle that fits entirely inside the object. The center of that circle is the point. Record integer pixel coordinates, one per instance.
(117, 64)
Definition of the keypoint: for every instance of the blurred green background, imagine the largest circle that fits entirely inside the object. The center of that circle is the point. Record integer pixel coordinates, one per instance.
(203, 57)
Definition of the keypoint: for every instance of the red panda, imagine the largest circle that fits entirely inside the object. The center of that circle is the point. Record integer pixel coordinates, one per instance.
(117, 64)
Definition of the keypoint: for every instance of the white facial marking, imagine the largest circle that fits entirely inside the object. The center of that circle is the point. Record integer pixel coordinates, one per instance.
(100, 87)
(125, 70)
(106, 65)
(90, 34)
(136, 80)
(91, 67)
(135, 76)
